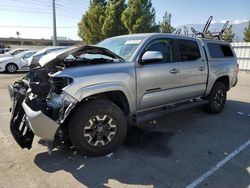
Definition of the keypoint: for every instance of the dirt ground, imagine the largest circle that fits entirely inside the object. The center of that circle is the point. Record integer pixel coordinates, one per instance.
(189, 147)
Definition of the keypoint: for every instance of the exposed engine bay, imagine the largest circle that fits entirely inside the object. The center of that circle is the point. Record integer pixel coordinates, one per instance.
(42, 92)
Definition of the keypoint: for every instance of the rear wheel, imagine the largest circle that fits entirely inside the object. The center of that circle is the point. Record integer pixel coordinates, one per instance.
(97, 128)
(11, 68)
(216, 99)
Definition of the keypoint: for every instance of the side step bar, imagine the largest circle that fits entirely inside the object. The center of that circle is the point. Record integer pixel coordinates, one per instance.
(147, 116)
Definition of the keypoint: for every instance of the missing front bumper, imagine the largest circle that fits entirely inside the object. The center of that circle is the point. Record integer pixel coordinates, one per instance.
(41, 125)
(25, 122)
(18, 126)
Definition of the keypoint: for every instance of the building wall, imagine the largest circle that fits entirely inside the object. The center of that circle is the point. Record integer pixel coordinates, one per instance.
(242, 50)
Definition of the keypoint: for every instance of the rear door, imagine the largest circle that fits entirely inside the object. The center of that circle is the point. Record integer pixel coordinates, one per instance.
(193, 68)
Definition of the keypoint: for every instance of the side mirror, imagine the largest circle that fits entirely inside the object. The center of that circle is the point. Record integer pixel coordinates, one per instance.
(151, 57)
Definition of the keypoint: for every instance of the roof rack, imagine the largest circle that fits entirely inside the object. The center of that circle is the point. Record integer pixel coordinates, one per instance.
(205, 32)
(205, 29)
(178, 32)
(219, 35)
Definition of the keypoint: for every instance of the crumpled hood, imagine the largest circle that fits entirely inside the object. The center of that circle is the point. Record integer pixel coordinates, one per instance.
(56, 57)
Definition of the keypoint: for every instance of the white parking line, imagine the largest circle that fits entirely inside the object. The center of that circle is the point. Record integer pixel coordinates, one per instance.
(218, 165)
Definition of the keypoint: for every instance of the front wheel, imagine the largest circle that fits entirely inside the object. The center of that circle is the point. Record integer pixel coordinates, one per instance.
(216, 99)
(11, 68)
(97, 128)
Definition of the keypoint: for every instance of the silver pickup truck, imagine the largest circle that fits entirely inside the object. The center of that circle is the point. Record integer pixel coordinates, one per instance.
(86, 95)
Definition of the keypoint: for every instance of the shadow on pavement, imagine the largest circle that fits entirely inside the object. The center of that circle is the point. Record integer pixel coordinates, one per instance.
(122, 167)
(129, 164)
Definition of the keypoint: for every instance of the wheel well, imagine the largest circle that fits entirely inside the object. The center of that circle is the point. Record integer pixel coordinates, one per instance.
(116, 97)
(225, 80)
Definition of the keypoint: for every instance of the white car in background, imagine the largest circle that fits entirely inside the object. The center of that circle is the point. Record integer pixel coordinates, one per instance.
(33, 60)
(13, 52)
(17, 62)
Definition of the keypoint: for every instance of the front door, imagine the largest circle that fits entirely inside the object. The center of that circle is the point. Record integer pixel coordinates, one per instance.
(24, 60)
(158, 82)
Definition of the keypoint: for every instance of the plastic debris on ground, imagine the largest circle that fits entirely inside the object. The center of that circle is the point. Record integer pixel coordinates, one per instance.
(109, 155)
(80, 167)
(241, 113)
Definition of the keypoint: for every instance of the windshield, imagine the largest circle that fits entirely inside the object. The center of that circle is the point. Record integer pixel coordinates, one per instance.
(122, 46)
(11, 52)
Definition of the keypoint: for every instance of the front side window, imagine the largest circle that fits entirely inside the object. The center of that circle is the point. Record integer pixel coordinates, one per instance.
(29, 55)
(189, 50)
(217, 50)
(165, 46)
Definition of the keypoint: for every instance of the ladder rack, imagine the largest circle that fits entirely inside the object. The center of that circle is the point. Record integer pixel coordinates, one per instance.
(205, 32)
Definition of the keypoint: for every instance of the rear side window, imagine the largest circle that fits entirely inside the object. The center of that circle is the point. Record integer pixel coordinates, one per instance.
(189, 50)
(217, 50)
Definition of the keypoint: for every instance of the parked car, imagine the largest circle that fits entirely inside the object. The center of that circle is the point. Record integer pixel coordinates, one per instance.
(4, 50)
(13, 52)
(16, 62)
(33, 60)
(89, 99)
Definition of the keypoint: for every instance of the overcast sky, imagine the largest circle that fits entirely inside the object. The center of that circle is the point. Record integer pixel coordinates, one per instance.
(33, 19)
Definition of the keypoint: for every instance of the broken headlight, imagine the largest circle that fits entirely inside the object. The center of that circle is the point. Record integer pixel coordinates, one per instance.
(58, 83)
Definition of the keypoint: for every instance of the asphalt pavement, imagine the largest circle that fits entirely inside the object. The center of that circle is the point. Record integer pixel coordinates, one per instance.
(188, 148)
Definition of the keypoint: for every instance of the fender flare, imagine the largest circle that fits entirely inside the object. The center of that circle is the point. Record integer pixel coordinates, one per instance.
(85, 92)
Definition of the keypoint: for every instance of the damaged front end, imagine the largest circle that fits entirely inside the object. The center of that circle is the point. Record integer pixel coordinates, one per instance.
(40, 103)
(40, 107)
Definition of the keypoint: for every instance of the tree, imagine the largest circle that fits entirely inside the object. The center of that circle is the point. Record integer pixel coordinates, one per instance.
(228, 34)
(165, 25)
(139, 17)
(113, 25)
(90, 27)
(247, 33)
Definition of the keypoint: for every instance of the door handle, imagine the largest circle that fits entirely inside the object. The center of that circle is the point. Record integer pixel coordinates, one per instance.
(174, 71)
(201, 68)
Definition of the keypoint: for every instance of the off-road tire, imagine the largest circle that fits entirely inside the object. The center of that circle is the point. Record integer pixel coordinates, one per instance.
(216, 99)
(81, 120)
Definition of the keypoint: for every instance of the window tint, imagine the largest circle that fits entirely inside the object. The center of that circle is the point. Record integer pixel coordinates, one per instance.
(189, 50)
(28, 55)
(17, 52)
(165, 46)
(217, 50)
